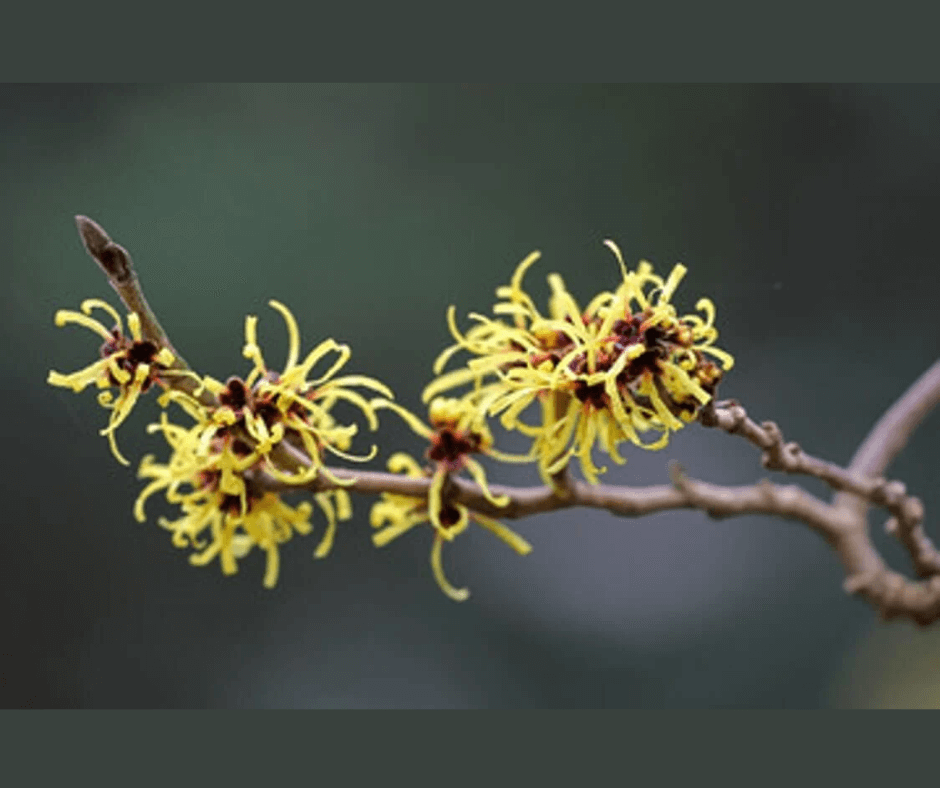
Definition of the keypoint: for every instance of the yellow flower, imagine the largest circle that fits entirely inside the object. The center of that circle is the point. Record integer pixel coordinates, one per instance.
(129, 363)
(272, 407)
(224, 512)
(400, 513)
(456, 432)
(625, 365)
(221, 468)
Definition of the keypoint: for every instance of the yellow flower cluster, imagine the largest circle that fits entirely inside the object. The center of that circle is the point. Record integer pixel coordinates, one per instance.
(225, 514)
(280, 413)
(625, 365)
(267, 431)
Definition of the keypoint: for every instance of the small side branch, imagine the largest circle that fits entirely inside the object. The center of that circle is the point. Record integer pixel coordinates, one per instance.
(789, 457)
(907, 511)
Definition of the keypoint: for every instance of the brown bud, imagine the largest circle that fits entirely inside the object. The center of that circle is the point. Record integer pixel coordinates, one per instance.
(112, 257)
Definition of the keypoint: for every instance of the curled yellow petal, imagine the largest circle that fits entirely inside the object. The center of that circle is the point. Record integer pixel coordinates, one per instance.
(65, 316)
(457, 594)
(509, 536)
(293, 333)
(479, 476)
(326, 544)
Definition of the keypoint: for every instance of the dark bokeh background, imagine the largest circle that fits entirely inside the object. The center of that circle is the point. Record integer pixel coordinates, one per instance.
(808, 214)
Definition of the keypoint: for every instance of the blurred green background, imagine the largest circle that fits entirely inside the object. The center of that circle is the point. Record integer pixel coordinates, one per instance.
(807, 213)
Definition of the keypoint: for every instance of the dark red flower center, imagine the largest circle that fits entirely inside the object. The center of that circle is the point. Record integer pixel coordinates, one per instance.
(129, 355)
(450, 446)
